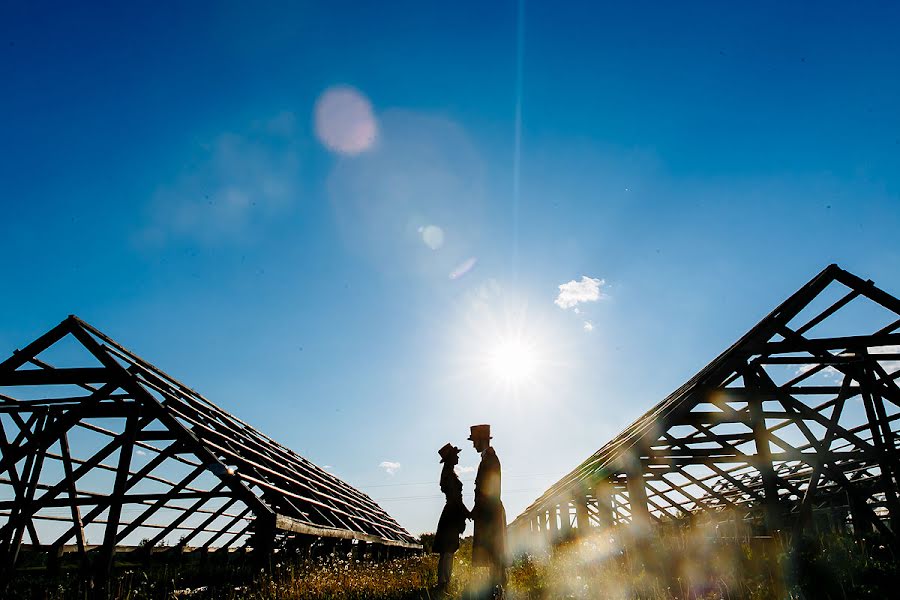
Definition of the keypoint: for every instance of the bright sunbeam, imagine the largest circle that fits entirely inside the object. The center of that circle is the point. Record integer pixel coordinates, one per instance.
(513, 361)
(506, 359)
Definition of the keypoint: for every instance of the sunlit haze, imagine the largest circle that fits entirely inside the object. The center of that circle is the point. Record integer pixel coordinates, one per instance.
(364, 228)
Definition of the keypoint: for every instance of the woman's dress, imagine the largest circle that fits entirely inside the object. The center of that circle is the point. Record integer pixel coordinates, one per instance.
(453, 518)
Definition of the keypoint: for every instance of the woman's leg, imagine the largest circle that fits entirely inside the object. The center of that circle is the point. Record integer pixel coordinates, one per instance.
(445, 568)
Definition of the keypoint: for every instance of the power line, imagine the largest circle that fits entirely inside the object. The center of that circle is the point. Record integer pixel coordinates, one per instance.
(505, 477)
(438, 496)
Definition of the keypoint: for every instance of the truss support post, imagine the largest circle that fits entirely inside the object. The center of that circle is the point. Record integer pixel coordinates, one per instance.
(73, 493)
(882, 439)
(862, 525)
(114, 515)
(390, 552)
(264, 541)
(554, 524)
(53, 558)
(582, 517)
(20, 521)
(330, 546)
(763, 454)
(302, 545)
(603, 495)
(360, 552)
(637, 496)
(565, 519)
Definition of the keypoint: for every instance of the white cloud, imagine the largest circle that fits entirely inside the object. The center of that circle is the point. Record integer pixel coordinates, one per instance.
(390, 467)
(890, 366)
(588, 326)
(463, 470)
(140, 453)
(575, 292)
(239, 181)
(828, 371)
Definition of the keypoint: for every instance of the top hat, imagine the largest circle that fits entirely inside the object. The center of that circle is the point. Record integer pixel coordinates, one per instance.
(448, 450)
(480, 432)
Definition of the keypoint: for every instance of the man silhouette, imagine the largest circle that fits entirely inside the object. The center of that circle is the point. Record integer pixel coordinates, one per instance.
(489, 543)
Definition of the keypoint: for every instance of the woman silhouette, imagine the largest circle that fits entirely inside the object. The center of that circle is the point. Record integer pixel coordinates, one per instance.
(453, 518)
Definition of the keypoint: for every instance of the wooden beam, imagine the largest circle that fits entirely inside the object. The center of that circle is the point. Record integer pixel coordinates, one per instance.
(20, 357)
(162, 501)
(70, 376)
(19, 524)
(637, 493)
(73, 493)
(195, 508)
(48, 435)
(831, 343)
(582, 518)
(126, 448)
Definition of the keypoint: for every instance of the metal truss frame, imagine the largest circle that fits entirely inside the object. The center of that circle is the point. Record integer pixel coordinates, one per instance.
(790, 423)
(162, 461)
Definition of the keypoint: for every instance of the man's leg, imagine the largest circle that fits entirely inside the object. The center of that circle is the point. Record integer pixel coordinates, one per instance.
(498, 575)
(498, 581)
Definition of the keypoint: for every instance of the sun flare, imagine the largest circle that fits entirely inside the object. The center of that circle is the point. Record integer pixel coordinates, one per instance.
(513, 361)
(506, 353)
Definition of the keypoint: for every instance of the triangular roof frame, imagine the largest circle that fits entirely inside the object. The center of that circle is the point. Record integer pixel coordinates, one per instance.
(284, 493)
(631, 476)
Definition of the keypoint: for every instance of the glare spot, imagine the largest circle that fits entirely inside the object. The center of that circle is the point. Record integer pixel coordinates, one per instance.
(513, 361)
(433, 236)
(463, 268)
(344, 121)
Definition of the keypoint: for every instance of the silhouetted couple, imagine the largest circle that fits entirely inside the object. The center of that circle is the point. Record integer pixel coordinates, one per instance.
(488, 514)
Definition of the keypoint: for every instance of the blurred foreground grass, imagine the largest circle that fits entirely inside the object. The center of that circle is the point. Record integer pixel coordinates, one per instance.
(684, 567)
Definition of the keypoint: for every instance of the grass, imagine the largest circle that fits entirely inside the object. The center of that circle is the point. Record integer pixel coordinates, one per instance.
(688, 565)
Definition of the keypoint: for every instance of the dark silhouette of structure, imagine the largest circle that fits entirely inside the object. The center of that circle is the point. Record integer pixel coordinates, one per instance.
(103, 457)
(793, 425)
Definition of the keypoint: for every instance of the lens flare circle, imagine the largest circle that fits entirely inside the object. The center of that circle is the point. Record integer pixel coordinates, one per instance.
(432, 236)
(344, 121)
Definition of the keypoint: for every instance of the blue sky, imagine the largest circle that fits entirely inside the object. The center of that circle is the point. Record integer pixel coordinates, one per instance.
(163, 175)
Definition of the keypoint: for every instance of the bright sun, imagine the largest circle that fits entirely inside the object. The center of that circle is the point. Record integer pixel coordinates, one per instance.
(504, 352)
(513, 361)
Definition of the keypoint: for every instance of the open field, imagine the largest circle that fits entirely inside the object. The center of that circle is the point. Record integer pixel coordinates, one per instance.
(679, 567)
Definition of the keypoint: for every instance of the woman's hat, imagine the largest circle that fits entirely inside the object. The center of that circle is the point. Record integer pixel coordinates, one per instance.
(447, 451)
(480, 432)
